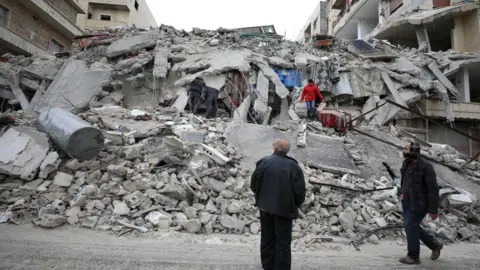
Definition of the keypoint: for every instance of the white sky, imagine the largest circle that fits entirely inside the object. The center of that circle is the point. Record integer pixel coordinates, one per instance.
(287, 15)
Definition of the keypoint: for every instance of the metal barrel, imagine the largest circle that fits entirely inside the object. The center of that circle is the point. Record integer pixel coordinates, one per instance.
(76, 137)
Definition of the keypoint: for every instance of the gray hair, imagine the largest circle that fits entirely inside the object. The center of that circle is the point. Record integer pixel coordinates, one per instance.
(282, 145)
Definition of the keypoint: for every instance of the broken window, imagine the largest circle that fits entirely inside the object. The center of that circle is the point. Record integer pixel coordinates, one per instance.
(136, 5)
(3, 16)
(55, 46)
(89, 15)
(269, 29)
(105, 17)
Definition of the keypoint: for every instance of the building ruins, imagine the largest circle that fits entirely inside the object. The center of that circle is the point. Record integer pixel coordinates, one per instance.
(151, 165)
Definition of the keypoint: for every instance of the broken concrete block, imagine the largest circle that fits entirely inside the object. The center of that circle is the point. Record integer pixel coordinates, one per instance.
(33, 185)
(161, 65)
(193, 226)
(134, 199)
(234, 223)
(155, 217)
(76, 137)
(62, 179)
(174, 191)
(374, 239)
(214, 154)
(216, 185)
(44, 186)
(50, 220)
(346, 220)
(120, 208)
(381, 222)
(236, 207)
(90, 222)
(165, 200)
(22, 151)
(49, 165)
(204, 217)
(255, 228)
(74, 87)
(132, 44)
(190, 212)
(40, 68)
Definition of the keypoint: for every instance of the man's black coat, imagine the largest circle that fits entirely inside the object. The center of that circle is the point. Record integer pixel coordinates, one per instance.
(279, 185)
(423, 194)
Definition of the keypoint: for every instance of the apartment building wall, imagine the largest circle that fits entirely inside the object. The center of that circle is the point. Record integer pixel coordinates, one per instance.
(123, 13)
(65, 8)
(316, 24)
(30, 31)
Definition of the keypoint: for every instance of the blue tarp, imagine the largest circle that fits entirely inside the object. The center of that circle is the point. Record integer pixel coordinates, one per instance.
(290, 77)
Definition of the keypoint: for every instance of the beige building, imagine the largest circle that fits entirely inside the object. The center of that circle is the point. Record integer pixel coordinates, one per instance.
(316, 23)
(37, 26)
(103, 14)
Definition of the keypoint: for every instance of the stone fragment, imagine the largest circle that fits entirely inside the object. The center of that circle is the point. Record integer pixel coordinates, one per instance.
(333, 221)
(190, 212)
(204, 217)
(193, 226)
(374, 239)
(73, 211)
(216, 185)
(165, 200)
(63, 179)
(50, 220)
(228, 194)
(346, 220)
(134, 199)
(254, 227)
(49, 164)
(234, 223)
(174, 191)
(120, 208)
(381, 222)
(236, 207)
(90, 222)
(32, 185)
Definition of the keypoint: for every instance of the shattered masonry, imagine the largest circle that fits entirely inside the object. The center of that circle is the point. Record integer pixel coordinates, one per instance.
(156, 167)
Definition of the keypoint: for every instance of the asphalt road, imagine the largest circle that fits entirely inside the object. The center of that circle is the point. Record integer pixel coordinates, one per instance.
(28, 247)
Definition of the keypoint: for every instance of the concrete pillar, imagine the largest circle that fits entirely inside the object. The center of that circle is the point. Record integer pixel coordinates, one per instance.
(422, 37)
(463, 84)
(381, 14)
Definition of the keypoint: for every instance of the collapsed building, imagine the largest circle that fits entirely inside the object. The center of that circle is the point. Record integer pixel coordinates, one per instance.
(100, 138)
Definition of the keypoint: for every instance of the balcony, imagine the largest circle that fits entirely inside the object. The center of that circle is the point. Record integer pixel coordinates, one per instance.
(99, 24)
(461, 110)
(112, 4)
(53, 17)
(10, 41)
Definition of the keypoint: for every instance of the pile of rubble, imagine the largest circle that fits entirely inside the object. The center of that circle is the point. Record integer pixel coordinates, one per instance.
(92, 147)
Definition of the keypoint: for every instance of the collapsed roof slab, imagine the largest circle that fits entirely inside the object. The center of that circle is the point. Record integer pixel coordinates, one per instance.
(22, 150)
(74, 86)
(321, 152)
(131, 44)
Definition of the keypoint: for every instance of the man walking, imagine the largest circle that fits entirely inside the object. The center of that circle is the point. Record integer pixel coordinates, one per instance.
(279, 187)
(309, 95)
(211, 95)
(419, 195)
(197, 87)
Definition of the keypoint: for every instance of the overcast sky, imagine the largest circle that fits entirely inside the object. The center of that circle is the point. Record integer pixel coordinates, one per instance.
(287, 15)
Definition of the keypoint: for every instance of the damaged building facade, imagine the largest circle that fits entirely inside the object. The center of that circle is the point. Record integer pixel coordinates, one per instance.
(104, 14)
(37, 26)
(428, 26)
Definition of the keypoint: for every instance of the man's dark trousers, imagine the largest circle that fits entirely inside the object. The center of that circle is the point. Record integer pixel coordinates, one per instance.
(415, 233)
(195, 98)
(275, 242)
(211, 107)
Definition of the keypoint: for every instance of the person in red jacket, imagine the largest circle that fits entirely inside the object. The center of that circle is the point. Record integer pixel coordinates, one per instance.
(309, 95)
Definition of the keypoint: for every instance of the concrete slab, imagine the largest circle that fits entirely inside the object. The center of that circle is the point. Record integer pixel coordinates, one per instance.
(182, 99)
(131, 44)
(261, 103)
(443, 79)
(74, 86)
(161, 65)
(280, 62)
(321, 152)
(270, 74)
(22, 151)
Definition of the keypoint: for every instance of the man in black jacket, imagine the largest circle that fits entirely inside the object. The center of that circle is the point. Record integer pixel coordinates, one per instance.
(197, 87)
(419, 195)
(279, 187)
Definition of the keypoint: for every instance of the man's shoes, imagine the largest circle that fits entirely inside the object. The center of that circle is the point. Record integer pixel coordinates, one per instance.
(436, 252)
(408, 260)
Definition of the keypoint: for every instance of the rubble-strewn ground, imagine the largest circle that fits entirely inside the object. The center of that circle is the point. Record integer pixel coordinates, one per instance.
(26, 247)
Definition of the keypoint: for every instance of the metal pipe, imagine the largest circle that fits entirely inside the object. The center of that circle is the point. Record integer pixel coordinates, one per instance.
(76, 137)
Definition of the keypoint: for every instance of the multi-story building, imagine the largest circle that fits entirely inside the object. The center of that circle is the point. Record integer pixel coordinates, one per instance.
(317, 24)
(102, 14)
(37, 26)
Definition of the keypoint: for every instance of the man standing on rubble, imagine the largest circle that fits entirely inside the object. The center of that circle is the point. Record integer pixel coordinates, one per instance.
(197, 87)
(419, 195)
(309, 95)
(279, 187)
(211, 95)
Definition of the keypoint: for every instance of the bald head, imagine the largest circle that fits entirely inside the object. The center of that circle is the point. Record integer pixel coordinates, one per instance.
(281, 145)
